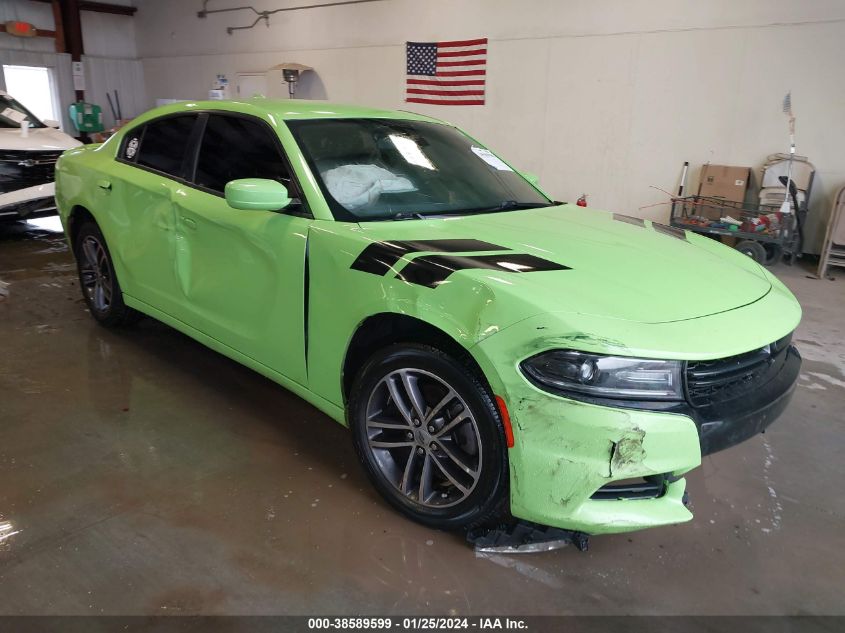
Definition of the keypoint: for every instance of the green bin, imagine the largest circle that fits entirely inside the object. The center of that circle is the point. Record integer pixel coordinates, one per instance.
(86, 117)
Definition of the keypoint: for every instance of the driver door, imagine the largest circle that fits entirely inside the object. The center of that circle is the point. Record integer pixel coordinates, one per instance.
(243, 272)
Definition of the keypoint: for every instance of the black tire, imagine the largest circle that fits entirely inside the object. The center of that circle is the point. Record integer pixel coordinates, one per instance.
(448, 506)
(753, 249)
(774, 254)
(97, 281)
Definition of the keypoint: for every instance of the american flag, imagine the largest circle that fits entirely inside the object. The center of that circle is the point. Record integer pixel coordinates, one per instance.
(446, 73)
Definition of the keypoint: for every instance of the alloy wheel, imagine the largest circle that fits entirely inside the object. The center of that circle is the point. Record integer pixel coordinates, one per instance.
(96, 274)
(424, 438)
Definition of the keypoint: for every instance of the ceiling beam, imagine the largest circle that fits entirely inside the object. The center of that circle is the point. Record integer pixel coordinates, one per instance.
(105, 7)
(101, 7)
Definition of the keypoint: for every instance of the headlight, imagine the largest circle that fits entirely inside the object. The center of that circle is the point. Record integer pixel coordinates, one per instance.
(572, 373)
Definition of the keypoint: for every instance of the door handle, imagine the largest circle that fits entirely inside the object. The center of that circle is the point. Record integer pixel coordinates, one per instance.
(189, 223)
(104, 184)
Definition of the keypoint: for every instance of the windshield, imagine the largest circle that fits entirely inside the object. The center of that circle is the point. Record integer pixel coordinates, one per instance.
(12, 113)
(383, 169)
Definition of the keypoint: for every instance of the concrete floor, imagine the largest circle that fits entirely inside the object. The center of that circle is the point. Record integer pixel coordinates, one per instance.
(141, 473)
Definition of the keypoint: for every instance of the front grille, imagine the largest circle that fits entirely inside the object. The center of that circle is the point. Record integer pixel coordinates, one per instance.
(20, 169)
(714, 381)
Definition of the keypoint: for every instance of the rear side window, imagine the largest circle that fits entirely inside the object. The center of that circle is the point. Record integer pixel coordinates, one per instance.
(163, 144)
(131, 144)
(236, 147)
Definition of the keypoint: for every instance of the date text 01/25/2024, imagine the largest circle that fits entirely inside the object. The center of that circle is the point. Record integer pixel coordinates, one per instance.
(417, 623)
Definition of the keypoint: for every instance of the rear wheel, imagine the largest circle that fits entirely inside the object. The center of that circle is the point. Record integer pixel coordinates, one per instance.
(97, 279)
(429, 437)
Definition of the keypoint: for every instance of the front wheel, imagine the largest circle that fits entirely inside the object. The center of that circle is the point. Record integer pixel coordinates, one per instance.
(97, 279)
(430, 438)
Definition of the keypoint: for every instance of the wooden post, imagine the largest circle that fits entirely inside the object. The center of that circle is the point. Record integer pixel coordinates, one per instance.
(59, 27)
(72, 23)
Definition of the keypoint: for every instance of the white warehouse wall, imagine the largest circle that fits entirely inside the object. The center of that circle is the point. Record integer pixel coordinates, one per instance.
(606, 97)
(41, 15)
(111, 58)
(104, 34)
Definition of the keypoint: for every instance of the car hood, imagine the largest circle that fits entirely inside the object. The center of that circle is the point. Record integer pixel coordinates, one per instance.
(38, 139)
(607, 264)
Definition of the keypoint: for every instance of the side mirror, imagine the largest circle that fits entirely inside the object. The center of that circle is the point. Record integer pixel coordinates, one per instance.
(534, 179)
(51, 123)
(257, 194)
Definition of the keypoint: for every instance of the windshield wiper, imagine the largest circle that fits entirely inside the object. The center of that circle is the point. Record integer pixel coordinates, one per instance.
(509, 205)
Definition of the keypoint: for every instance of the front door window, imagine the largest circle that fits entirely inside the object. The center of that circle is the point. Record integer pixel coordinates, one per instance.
(237, 147)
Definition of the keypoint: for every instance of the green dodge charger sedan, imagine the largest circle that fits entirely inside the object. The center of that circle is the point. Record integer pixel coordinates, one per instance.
(492, 351)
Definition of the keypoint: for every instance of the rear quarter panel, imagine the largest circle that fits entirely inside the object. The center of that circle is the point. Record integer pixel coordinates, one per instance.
(77, 172)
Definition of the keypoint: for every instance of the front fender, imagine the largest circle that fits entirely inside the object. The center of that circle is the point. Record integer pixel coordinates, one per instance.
(341, 298)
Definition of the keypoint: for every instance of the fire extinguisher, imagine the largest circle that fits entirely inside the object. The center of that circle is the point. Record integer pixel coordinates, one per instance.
(582, 201)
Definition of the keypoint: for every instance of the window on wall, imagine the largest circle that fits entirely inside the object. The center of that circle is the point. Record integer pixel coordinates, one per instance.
(32, 86)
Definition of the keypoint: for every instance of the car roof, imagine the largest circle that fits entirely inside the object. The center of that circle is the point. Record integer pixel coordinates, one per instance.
(288, 109)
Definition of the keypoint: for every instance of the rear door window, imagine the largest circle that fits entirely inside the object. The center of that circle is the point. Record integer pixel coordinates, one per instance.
(162, 145)
(237, 147)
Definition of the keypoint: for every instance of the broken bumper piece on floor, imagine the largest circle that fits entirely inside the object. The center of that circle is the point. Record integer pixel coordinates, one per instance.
(523, 537)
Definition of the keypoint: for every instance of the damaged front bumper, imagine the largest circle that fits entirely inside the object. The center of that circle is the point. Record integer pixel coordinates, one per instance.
(571, 480)
(597, 468)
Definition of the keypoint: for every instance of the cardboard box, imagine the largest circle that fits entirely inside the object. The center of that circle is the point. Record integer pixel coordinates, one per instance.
(724, 181)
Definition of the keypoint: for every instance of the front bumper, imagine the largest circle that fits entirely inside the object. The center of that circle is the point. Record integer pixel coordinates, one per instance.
(554, 475)
(566, 451)
(570, 456)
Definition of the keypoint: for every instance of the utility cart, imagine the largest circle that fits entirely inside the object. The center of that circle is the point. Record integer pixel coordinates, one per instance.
(762, 231)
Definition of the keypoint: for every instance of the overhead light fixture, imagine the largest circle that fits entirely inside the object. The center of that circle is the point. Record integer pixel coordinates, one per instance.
(290, 73)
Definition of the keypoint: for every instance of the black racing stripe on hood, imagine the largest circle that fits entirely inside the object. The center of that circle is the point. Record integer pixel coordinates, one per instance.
(432, 270)
(379, 257)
